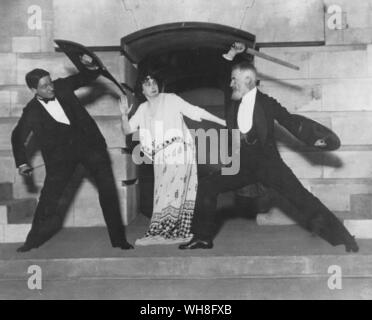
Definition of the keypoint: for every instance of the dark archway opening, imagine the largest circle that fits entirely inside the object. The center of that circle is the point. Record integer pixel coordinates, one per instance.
(187, 57)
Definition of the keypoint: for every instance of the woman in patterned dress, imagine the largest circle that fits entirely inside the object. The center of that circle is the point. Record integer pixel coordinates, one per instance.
(166, 140)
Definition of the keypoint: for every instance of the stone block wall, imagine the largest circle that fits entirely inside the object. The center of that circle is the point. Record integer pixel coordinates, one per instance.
(332, 85)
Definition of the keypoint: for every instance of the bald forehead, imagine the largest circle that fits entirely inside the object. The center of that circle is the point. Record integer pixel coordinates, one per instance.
(243, 73)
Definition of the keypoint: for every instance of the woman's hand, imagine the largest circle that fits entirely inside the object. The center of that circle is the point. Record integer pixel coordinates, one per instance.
(223, 123)
(123, 106)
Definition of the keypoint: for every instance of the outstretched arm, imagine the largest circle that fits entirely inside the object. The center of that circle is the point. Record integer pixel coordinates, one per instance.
(293, 123)
(82, 79)
(20, 135)
(205, 115)
(127, 126)
(193, 112)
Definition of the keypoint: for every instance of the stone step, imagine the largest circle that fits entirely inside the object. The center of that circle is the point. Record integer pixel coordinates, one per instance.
(17, 211)
(207, 267)
(225, 289)
(6, 191)
(244, 254)
(336, 194)
(278, 217)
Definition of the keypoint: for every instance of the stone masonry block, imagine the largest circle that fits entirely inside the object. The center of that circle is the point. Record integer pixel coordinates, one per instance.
(346, 94)
(87, 210)
(361, 206)
(316, 63)
(56, 63)
(129, 202)
(304, 165)
(111, 21)
(355, 164)
(14, 233)
(275, 217)
(26, 189)
(7, 169)
(295, 95)
(353, 129)
(2, 233)
(6, 128)
(111, 130)
(8, 71)
(123, 166)
(369, 52)
(336, 196)
(5, 102)
(3, 215)
(5, 43)
(357, 16)
(47, 36)
(361, 229)
(26, 44)
(20, 96)
(321, 94)
(332, 64)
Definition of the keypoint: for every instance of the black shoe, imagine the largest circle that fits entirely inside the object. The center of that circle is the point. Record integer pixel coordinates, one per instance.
(197, 244)
(124, 246)
(25, 248)
(351, 245)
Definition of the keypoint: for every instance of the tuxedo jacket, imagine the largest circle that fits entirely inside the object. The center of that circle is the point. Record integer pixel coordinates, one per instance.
(50, 134)
(266, 111)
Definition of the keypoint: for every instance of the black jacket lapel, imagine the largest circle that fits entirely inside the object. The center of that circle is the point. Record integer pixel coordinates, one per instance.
(259, 119)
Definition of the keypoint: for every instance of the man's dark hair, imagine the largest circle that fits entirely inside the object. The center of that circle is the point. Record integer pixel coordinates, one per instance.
(33, 77)
(244, 65)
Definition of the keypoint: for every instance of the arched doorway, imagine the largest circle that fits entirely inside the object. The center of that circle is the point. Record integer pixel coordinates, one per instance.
(187, 57)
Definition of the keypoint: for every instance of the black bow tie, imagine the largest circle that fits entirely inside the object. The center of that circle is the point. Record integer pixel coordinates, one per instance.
(46, 100)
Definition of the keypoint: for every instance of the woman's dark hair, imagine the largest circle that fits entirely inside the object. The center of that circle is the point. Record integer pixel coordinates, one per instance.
(141, 79)
(32, 78)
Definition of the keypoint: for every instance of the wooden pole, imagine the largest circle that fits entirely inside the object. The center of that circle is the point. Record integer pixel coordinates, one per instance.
(272, 59)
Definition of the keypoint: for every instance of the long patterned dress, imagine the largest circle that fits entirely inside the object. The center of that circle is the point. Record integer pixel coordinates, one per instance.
(165, 138)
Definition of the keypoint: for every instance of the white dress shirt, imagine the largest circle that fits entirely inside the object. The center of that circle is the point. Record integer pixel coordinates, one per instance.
(245, 112)
(56, 111)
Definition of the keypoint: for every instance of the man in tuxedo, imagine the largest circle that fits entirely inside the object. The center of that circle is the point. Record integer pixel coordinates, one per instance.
(251, 115)
(67, 136)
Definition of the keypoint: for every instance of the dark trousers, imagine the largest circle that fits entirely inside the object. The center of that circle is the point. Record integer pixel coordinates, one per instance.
(273, 173)
(59, 171)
